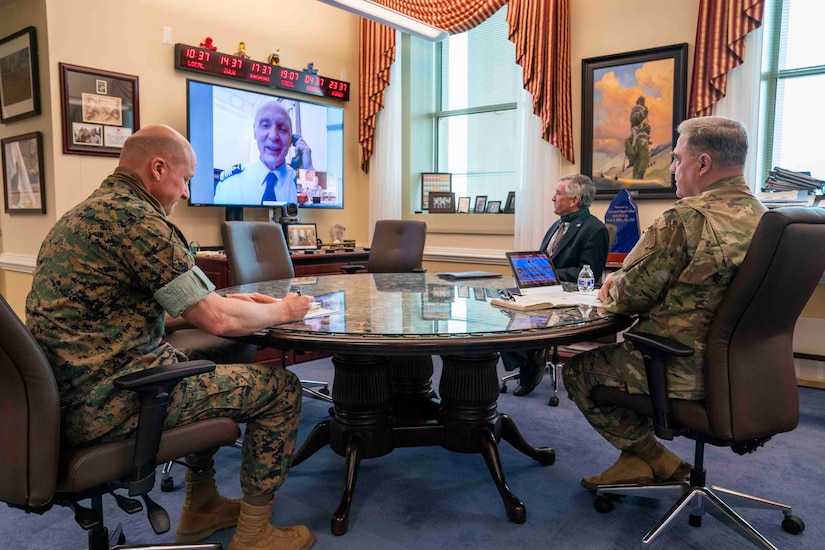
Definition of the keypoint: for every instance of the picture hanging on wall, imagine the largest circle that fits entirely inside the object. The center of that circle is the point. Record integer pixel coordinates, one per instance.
(631, 106)
(100, 110)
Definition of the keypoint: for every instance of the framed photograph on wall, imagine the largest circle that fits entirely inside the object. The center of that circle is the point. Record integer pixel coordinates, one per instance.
(631, 105)
(434, 181)
(464, 205)
(23, 174)
(100, 110)
(442, 202)
(19, 76)
(480, 205)
(510, 203)
(301, 236)
(493, 207)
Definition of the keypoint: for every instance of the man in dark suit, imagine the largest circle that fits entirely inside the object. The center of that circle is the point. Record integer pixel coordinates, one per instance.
(576, 239)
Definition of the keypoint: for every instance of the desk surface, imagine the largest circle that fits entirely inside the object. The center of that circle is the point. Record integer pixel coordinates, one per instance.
(415, 313)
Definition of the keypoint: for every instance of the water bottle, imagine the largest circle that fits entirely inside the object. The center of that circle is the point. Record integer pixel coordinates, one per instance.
(586, 281)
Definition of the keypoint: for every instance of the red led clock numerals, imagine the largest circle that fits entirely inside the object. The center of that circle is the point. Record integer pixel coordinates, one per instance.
(196, 58)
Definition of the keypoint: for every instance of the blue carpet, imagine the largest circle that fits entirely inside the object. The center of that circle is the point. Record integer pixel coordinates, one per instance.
(425, 498)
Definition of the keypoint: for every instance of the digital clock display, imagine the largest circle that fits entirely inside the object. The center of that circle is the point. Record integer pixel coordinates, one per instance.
(201, 60)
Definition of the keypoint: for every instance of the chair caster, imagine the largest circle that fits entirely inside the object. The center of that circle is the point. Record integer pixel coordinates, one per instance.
(554, 401)
(694, 520)
(603, 504)
(324, 390)
(167, 485)
(793, 525)
(503, 388)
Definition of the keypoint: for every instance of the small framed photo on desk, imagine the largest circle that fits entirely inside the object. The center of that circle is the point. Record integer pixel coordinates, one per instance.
(301, 236)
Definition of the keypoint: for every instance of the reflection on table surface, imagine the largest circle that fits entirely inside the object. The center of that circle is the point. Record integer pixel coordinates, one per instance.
(416, 304)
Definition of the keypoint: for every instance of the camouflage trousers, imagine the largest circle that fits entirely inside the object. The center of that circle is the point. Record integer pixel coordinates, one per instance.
(614, 365)
(267, 399)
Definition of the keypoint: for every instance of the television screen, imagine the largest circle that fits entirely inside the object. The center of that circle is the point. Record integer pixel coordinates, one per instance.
(257, 149)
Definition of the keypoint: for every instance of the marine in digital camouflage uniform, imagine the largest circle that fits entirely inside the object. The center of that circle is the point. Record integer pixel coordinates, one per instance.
(673, 279)
(106, 275)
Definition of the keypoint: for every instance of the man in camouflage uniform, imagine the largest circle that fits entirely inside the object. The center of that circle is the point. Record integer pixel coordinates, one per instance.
(106, 275)
(673, 279)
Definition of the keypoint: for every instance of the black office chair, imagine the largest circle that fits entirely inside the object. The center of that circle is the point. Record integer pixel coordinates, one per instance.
(751, 391)
(37, 471)
(397, 247)
(255, 252)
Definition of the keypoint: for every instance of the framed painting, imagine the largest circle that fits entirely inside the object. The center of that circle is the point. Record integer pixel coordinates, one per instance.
(493, 207)
(464, 205)
(481, 204)
(100, 110)
(24, 187)
(631, 105)
(442, 202)
(19, 77)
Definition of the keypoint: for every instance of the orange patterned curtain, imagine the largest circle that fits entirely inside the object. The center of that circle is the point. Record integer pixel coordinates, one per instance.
(540, 29)
(720, 46)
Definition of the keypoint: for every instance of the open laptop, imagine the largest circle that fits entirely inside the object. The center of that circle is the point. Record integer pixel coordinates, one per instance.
(534, 272)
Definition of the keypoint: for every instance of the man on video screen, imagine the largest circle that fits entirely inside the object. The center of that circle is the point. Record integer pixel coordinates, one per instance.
(270, 179)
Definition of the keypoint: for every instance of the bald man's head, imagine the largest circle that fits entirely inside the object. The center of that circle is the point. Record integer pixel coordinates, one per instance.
(164, 161)
(151, 141)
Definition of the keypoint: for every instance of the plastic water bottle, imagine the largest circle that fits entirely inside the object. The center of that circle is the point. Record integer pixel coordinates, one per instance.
(586, 281)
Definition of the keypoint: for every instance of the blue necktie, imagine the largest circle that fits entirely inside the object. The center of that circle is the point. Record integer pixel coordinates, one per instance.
(269, 193)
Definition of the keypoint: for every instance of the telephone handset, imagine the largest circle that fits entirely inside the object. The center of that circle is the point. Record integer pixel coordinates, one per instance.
(297, 160)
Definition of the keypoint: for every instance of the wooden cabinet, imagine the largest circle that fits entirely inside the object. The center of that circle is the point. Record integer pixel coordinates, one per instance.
(215, 266)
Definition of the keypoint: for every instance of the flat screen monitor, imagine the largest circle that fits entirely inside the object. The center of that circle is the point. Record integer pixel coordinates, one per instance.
(242, 138)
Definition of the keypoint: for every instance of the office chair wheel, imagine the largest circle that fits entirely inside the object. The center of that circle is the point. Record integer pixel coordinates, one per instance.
(603, 504)
(694, 520)
(554, 401)
(793, 525)
(167, 485)
(324, 390)
(503, 388)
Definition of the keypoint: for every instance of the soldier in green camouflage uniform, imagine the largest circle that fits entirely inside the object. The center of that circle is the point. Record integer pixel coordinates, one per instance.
(673, 279)
(106, 276)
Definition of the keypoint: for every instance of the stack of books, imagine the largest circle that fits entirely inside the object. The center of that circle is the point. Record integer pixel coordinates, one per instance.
(788, 188)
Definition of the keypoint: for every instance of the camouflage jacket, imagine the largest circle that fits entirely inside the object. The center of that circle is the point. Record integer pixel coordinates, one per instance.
(105, 275)
(678, 272)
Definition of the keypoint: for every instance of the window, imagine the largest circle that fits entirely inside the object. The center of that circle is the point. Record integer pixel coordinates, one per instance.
(793, 82)
(475, 122)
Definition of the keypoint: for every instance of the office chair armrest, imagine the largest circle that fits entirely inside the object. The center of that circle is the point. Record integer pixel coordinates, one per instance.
(353, 268)
(655, 350)
(153, 387)
(419, 270)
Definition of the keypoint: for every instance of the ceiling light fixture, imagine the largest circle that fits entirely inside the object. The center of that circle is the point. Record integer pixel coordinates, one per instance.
(390, 17)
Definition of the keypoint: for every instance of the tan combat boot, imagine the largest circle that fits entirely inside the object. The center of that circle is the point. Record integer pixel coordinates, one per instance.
(666, 465)
(627, 469)
(254, 532)
(205, 510)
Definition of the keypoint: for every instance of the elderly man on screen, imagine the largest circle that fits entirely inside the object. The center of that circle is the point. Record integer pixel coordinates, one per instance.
(269, 179)
(575, 239)
(674, 280)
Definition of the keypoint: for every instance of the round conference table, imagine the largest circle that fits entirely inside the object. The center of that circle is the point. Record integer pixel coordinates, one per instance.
(383, 328)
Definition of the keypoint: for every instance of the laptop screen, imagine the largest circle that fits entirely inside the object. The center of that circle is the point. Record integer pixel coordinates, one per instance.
(532, 269)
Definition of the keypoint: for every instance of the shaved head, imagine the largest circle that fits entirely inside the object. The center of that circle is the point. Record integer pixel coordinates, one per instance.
(157, 140)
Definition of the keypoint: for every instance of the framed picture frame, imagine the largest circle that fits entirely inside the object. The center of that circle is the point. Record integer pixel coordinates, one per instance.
(493, 207)
(510, 203)
(434, 181)
(301, 236)
(464, 205)
(480, 204)
(100, 110)
(442, 202)
(631, 106)
(19, 76)
(24, 188)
